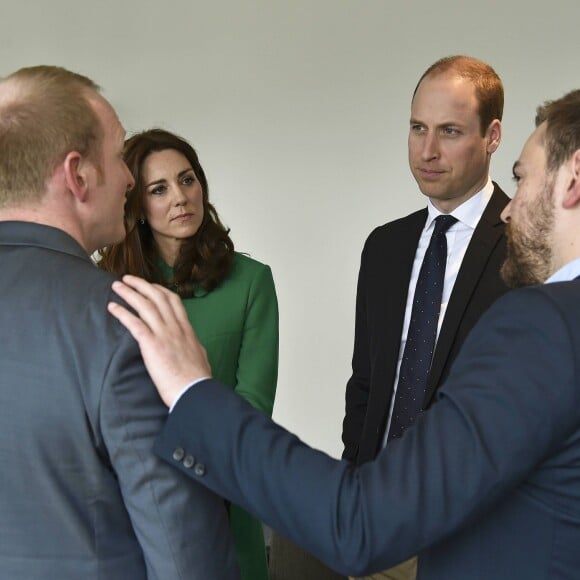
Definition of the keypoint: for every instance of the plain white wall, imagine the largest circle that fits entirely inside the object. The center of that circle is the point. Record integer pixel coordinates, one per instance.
(299, 111)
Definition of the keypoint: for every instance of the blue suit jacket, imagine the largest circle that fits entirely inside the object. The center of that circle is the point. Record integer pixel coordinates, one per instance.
(485, 486)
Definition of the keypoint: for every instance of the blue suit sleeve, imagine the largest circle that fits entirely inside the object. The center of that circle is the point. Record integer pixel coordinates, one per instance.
(510, 402)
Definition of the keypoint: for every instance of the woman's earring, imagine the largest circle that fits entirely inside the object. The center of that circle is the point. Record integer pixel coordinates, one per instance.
(142, 221)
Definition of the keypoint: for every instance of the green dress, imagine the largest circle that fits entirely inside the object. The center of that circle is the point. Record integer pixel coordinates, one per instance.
(237, 323)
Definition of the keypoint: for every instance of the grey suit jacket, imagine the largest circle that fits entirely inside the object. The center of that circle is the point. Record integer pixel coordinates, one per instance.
(81, 494)
(485, 485)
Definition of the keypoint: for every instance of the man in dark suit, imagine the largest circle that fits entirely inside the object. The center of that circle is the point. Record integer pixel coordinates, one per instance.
(81, 493)
(486, 484)
(455, 127)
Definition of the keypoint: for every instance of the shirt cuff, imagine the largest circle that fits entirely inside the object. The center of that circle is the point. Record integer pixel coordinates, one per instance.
(184, 390)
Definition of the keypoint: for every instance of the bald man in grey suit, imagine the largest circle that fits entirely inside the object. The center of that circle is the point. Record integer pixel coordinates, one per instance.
(81, 494)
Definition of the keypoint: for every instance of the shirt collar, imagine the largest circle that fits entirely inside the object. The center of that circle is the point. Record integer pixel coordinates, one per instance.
(469, 212)
(566, 273)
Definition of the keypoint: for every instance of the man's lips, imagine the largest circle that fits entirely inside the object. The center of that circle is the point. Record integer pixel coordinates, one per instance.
(431, 173)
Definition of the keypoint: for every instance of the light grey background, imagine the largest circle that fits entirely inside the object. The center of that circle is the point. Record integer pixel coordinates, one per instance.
(299, 111)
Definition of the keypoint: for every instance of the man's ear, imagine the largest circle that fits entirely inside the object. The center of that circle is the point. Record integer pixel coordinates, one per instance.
(572, 194)
(493, 135)
(76, 170)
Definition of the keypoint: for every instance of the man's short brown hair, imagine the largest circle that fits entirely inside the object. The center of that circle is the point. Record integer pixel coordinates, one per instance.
(562, 137)
(44, 115)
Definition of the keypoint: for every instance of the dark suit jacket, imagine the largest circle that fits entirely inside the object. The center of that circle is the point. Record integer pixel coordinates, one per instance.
(386, 264)
(486, 485)
(81, 493)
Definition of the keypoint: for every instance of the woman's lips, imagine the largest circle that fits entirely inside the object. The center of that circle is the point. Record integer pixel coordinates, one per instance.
(182, 217)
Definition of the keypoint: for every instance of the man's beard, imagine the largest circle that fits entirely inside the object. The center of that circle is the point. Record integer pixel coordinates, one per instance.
(529, 248)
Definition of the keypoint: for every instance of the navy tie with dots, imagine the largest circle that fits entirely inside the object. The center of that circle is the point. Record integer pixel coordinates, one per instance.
(422, 332)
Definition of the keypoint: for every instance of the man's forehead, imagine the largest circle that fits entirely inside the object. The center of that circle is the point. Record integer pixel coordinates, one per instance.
(534, 147)
(104, 110)
(446, 90)
(448, 81)
(537, 138)
(99, 104)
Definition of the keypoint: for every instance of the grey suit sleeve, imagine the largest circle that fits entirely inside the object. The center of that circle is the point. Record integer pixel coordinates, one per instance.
(182, 527)
(509, 404)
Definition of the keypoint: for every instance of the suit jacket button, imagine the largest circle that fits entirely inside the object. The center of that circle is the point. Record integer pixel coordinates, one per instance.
(188, 461)
(199, 469)
(178, 454)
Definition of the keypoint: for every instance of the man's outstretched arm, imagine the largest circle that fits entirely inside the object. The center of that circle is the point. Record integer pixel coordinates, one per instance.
(494, 424)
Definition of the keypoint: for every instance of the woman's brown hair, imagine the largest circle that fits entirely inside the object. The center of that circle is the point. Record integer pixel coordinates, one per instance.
(204, 260)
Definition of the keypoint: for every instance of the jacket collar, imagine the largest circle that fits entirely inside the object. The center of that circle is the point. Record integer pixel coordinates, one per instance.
(16, 233)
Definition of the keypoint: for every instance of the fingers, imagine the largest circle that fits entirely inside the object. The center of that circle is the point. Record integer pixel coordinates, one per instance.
(149, 300)
(154, 303)
(171, 352)
(132, 323)
(151, 291)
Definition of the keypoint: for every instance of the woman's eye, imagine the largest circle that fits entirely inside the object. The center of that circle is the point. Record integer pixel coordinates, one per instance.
(188, 180)
(159, 190)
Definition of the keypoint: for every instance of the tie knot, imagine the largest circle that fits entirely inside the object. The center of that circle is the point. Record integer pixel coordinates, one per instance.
(443, 223)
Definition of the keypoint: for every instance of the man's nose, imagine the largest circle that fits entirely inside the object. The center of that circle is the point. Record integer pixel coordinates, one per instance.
(506, 213)
(130, 179)
(430, 147)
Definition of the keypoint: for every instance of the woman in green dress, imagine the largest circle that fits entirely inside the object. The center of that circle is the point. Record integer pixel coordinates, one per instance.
(175, 238)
